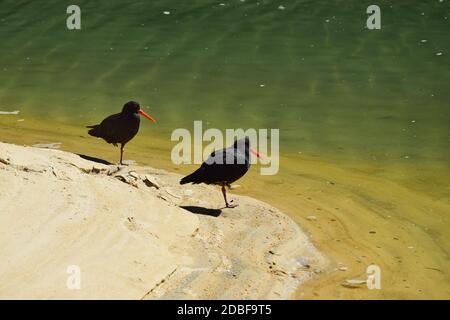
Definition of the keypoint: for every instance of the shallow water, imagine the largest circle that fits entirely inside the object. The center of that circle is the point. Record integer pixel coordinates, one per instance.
(365, 110)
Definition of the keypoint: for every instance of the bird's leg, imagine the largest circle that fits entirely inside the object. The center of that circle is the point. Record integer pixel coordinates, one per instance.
(121, 153)
(227, 205)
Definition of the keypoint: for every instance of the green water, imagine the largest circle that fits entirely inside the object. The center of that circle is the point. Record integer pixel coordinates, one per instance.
(312, 70)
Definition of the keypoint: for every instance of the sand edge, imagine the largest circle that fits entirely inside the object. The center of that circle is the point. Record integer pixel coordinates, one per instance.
(125, 230)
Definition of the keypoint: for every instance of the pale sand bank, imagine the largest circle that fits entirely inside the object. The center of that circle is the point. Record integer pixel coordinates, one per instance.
(132, 240)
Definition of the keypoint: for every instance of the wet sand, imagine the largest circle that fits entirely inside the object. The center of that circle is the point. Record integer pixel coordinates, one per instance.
(393, 214)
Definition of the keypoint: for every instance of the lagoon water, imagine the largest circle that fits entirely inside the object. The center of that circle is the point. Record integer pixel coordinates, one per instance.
(363, 114)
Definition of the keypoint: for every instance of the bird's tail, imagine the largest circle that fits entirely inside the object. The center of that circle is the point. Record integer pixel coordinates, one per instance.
(195, 177)
(94, 130)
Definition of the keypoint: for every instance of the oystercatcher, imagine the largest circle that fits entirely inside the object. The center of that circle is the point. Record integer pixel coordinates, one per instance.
(224, 167)
(121, 127)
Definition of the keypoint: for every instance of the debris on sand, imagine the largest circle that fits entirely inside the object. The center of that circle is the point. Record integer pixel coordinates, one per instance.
(353, 283)
(9, 112)
(54, 145)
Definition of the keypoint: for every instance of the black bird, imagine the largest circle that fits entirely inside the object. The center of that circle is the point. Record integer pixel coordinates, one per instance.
(120, 127)
(223, 167)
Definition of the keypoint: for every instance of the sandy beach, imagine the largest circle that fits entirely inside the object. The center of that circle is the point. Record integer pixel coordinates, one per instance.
(406, 205)
(136, 234)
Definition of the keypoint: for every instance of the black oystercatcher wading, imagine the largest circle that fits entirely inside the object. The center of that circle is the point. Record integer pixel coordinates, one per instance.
(223, 167)
(121, 127)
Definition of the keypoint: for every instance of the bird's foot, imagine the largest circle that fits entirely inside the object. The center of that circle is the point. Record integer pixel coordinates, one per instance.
(231, 206)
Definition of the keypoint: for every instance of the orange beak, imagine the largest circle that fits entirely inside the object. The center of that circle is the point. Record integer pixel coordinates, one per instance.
(256, 153)
(147, 116)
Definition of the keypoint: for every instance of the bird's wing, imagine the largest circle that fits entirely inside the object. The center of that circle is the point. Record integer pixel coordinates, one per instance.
(216, 169)
(109, 126)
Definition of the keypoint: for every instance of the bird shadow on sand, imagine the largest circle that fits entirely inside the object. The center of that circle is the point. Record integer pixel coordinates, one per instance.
(202, 211)
(93, 159)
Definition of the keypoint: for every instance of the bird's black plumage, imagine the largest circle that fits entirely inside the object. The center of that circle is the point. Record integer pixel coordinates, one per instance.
(121, 127)
(223, 167)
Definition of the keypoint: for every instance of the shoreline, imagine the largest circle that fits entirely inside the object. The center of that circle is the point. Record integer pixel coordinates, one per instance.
(135, 233)
(405, 204)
